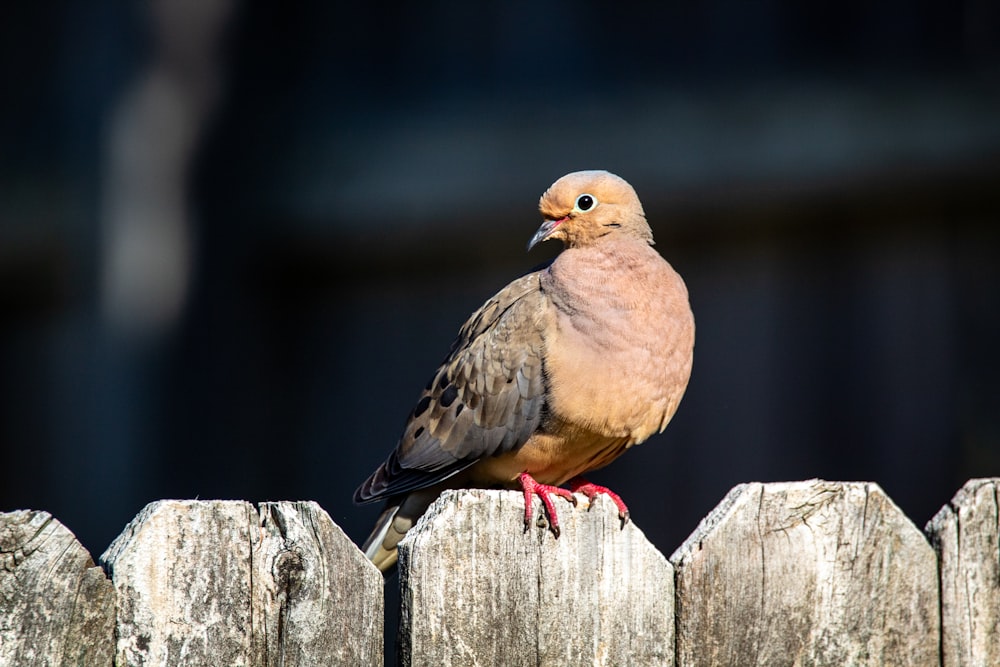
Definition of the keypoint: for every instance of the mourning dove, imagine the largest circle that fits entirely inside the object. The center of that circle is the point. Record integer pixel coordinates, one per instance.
(556, 375)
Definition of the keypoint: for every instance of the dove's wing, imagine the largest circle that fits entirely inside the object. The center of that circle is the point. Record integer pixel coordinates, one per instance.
(486, 398)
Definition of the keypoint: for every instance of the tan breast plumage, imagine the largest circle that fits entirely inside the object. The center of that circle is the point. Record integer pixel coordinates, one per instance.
(618, 357)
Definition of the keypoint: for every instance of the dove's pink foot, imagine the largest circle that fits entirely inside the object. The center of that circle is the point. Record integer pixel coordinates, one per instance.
(545, 492)
(580, 485)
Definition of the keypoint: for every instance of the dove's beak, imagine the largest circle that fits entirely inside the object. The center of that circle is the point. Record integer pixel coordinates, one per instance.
(545, 231)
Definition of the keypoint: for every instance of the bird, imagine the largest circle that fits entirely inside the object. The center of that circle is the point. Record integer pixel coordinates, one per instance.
(554, 376)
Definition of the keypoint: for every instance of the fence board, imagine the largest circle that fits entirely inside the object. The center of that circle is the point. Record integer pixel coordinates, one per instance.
(182, 573)
(806, 573)
(478, 589)
(214, 582)
(800, 573)
(56, 606)
(966, 535)
(319, 599)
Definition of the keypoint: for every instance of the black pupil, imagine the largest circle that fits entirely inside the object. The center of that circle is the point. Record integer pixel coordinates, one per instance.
(585, 202)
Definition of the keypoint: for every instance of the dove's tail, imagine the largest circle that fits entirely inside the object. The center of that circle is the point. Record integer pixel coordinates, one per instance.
(399, 515)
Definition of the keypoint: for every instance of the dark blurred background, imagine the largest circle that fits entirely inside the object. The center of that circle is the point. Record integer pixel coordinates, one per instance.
(236, 237)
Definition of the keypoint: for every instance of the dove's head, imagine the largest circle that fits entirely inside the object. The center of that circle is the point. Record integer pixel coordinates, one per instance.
(585, 206)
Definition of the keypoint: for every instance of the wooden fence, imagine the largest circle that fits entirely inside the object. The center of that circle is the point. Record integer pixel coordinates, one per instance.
(798, 573)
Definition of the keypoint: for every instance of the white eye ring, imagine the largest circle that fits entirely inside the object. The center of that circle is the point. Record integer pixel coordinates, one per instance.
(585, 202)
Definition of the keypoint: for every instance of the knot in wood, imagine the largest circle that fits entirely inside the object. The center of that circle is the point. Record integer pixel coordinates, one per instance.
(289, 571)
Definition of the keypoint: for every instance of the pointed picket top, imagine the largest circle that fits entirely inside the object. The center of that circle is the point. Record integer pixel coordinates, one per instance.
(806, 573)
(217, 582)
(479, 589)
(56, 606)
(966, 535)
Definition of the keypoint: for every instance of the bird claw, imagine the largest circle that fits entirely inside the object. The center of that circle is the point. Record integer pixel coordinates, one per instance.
(591, 490)
(545, 493)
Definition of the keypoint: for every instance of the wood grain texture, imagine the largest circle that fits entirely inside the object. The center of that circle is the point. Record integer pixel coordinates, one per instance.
(806, 573)
(317, 599)
(182, 573)
(965, 533)
(479, 590)
(56, 606)
(217, 583)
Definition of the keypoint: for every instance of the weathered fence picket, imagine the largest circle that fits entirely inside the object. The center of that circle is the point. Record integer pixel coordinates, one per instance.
(966, 535)
(478, 589)
(320, 598)
(56, 606)
(798, 573)
(217, 583)
(183, 572)
(806, 573)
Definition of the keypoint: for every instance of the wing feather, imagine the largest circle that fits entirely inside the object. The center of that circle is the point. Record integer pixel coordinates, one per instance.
(486, 398)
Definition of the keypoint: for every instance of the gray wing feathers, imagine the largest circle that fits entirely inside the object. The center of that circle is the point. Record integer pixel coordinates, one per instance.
(486, 398)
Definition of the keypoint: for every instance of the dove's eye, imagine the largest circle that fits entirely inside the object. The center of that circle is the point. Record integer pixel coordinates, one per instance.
(585, 202)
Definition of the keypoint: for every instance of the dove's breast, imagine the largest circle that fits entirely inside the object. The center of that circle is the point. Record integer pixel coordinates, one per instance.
(619, 356)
